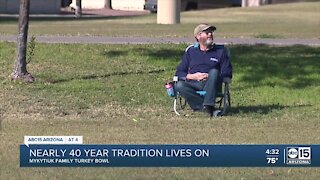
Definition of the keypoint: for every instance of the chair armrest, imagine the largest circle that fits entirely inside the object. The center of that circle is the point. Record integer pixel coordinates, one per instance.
(227, 80)
(176, 78)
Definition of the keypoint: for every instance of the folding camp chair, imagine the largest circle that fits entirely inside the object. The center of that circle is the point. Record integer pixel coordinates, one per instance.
(223, 99)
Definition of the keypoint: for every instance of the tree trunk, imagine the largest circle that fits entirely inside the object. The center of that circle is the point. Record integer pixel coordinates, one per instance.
(108, 4)
(20, 70)
(78, 11)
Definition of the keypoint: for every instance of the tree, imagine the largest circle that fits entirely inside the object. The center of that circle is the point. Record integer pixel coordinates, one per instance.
(78, 10)
(20, 69)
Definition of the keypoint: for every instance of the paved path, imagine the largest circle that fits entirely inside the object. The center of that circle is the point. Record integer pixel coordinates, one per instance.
(146, 40)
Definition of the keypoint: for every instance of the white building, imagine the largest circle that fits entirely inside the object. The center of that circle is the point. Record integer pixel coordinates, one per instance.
(116, 4)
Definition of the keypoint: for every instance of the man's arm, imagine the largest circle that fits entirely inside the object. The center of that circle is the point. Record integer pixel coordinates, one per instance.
(183, 67)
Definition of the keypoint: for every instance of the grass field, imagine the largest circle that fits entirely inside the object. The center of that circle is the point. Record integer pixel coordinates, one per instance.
(295, 20)
(97, 90)
(114, 94)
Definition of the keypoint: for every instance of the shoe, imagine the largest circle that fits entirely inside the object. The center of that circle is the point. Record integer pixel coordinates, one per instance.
(208, 109)
(217, 113)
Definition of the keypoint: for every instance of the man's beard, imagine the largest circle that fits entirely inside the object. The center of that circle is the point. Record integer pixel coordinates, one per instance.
(208, 42)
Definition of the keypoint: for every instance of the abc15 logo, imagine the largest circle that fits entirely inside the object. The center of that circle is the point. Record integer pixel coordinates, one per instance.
(299, 153)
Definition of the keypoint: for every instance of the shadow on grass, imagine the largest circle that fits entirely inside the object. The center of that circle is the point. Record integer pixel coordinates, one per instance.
(256, 66)
(259, 65)
(290, 66)
(161, 54)
(88, 77)
(263, 109)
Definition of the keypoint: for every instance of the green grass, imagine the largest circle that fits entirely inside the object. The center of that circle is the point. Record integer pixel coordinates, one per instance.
(293, 20)
(97, 90)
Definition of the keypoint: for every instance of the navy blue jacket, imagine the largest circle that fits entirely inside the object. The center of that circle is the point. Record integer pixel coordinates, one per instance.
(194, 60)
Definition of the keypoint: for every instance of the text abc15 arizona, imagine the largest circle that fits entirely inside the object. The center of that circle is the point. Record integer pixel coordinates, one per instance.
(299, 155)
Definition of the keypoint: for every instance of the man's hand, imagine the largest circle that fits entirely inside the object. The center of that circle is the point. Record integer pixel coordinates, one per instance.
(198, 76)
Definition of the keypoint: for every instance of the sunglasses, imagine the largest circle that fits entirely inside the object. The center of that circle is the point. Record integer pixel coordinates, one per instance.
(208, 31)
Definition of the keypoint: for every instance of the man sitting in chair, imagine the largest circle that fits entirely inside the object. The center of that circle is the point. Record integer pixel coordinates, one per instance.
(204, 65)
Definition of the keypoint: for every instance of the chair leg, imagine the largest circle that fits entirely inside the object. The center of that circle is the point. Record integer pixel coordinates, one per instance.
(228, 97)
(220, 103)
(182, 102)
(226, 100)
(229, 100)
(175, 106)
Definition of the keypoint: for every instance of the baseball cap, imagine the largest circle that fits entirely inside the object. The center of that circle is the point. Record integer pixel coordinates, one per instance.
(203, 27)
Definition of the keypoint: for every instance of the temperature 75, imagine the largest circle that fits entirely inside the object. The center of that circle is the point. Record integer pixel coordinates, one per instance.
(272, 160)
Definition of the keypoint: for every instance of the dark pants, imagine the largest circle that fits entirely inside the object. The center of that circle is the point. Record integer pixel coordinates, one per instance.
(187, 90)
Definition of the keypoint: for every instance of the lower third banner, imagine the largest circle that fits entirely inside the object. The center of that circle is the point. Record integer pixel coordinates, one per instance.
(170, 156)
